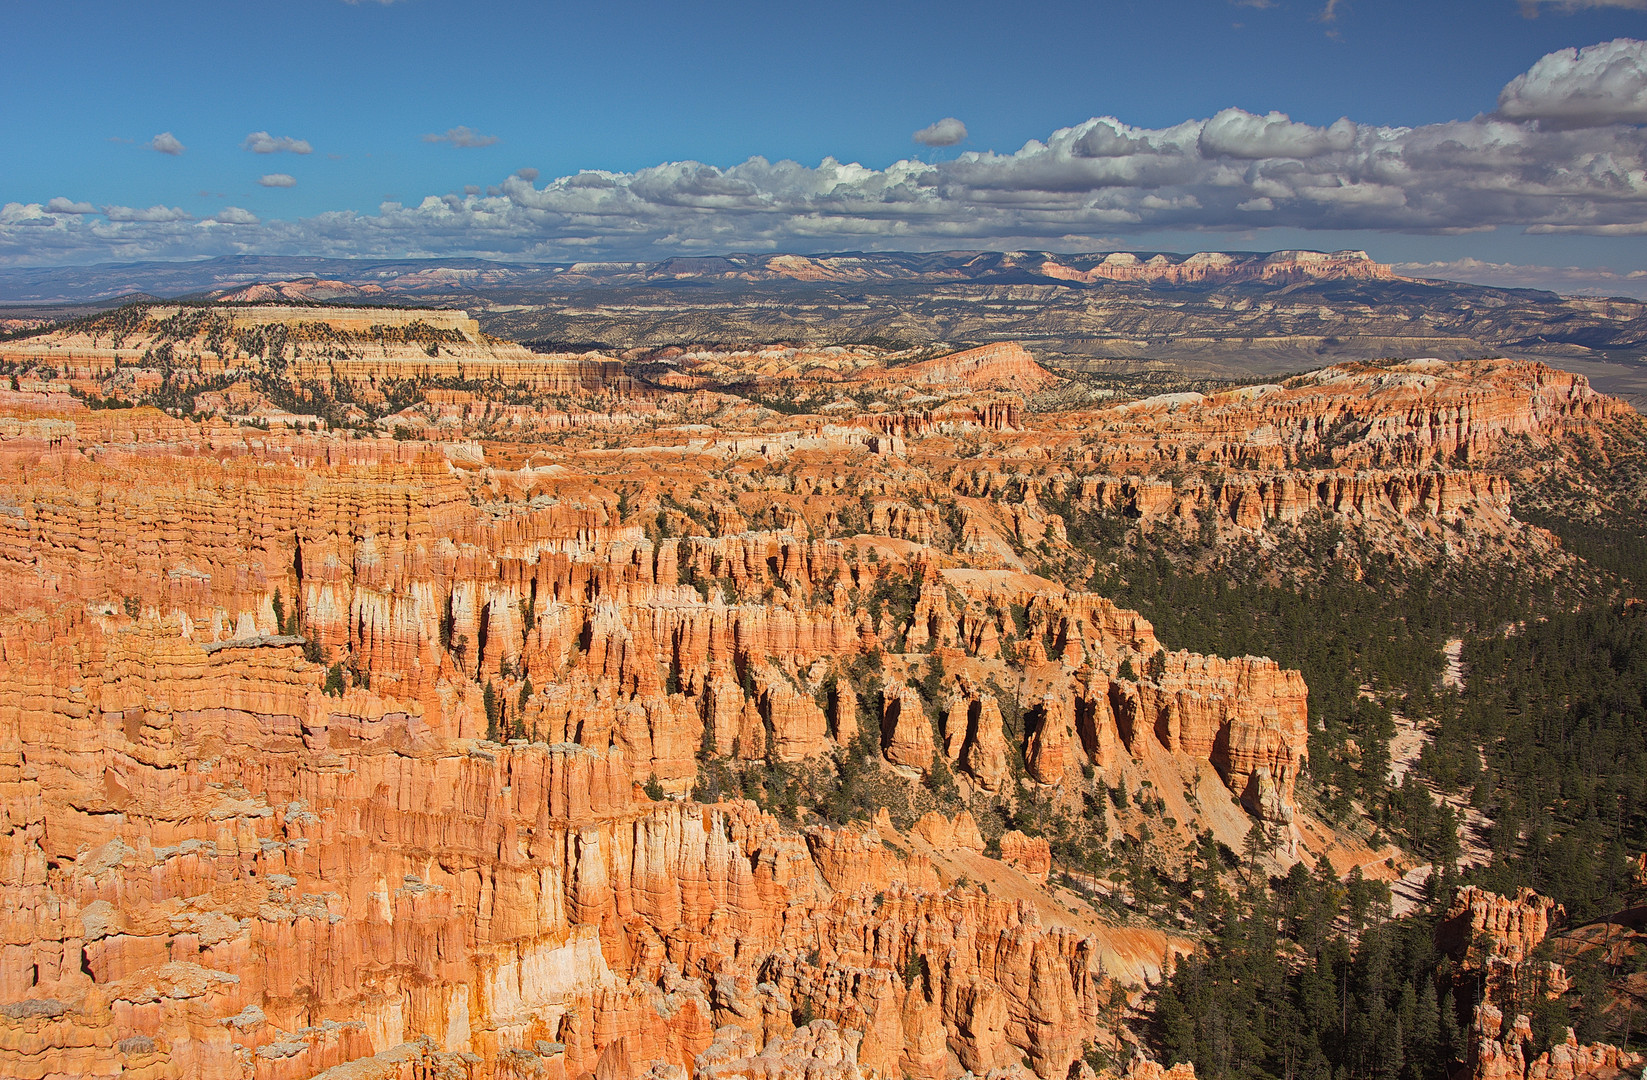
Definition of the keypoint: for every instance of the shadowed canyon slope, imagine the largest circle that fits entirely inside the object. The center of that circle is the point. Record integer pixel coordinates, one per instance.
(398, 701)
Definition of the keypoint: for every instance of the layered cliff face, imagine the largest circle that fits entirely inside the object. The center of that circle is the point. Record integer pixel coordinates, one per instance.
(847, 372)
(1216, 267)
(322, 749)
(283, 348)
(1416, 414)
(215, 868)
(991, 367)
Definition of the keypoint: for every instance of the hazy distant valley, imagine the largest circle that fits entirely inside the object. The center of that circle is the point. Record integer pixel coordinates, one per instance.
(1222, 316)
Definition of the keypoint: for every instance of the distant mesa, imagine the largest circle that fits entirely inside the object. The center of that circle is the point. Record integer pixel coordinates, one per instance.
(1007, 366)
(365, 344)
(1227, 313)
(360, 345)
(301, 291)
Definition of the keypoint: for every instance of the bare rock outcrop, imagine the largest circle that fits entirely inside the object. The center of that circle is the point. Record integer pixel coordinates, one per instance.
(1480, 925)
(906, 731)
(818, 1051)
(1032, 855)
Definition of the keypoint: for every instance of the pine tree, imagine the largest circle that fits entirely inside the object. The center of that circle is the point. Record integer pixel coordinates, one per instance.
(494, 715)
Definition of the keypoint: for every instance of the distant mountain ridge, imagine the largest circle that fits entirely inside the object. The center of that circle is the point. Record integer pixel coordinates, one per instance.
(1220, 314)
(442, 276)
(1163, 268)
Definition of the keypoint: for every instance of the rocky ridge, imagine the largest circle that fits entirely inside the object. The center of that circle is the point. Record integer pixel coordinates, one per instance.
(262, 279)
(148, 346)
(1157, 268)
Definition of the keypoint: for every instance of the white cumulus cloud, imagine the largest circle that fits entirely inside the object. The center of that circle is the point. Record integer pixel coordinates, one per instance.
(61, 205)
(1592, 87)
(234, 215)
(946, 132)
(1239, 134)
(167, 143)
(1531, 165)
(261, 142)
(278, 179)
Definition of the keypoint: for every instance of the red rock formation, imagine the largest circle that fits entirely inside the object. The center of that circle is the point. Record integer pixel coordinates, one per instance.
(799, 729)
(985, 752)
(335, 897)
(1500, 1054)
(361, 345)
(906, 732)
(1052, 746)
(1029, 854)
(817, 1051)
(1144, 1069)
(1494, 936)
(321, 752)
(1414, 415)
(945, 835)
(1007, 366)
(1257, 502)
(1480, 924)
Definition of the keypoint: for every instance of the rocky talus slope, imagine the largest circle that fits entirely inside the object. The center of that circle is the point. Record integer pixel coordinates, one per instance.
(417, 757)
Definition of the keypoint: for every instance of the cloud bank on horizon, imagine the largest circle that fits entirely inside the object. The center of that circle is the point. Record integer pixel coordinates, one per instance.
(1564, 151)
(1565, 279)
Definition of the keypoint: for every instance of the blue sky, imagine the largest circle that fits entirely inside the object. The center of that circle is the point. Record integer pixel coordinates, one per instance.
(625, 88)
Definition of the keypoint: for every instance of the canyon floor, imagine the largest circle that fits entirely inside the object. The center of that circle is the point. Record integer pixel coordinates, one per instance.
(382, 698)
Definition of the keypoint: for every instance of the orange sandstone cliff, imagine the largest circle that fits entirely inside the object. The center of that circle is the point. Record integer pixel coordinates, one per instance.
(326, 750)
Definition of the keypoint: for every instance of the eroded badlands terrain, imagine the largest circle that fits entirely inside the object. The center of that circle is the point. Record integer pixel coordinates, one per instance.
(398, 702)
